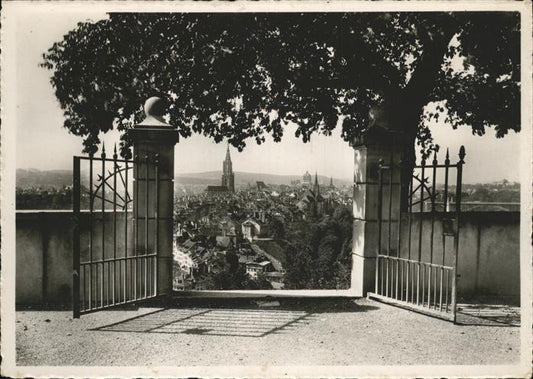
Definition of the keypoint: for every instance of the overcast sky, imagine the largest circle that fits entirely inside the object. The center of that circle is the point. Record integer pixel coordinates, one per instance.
(44, 144)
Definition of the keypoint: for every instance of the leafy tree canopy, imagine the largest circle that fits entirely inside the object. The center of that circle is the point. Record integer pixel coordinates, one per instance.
(242, 76)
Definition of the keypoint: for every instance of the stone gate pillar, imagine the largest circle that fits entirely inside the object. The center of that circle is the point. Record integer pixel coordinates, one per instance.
(378, 144)
(154, 139)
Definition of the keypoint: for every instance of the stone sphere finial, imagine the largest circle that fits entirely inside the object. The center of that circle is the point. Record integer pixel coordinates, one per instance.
(154, 109)
(154, 106)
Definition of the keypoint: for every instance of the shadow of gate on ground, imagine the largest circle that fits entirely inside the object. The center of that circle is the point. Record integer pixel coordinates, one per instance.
(234, 317)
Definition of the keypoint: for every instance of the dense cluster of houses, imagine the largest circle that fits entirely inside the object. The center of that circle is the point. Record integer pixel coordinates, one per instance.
(211, 225)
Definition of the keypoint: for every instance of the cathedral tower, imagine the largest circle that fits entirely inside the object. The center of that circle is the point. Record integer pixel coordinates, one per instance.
(227, 173)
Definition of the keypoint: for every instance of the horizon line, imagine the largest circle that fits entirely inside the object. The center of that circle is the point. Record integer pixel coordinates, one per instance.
(488, 181)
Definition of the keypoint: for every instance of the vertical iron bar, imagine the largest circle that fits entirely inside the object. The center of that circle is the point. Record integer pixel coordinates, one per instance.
(389, 237)
(410, 282)
(135, 224)
(91, 205)
(380, 201)
(103, 227)
(408, 295)
(402, 278)
(409, 236)
(433, 185)
(156, 263)
(407, 279)
(394, 284)
(446, 210)
(428, 287)
(413, 282)
(427, 273)
(410, 218)
(146, 225)
(377, 276)
(428, 283)
(440, 289)
(423, 277)
(420, 228)
(416, 281)
(447, 287)
(399, 221)
(399, 296)
(114, 221)
(97, 285)
(435, 288)
(386, 269)
(446, 173)
(389, 242)
(126, 197)
(458, 190)
(76, 238)
(84, 287)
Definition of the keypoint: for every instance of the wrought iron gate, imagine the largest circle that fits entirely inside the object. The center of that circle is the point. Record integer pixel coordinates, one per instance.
(115, 237)
(418, 242)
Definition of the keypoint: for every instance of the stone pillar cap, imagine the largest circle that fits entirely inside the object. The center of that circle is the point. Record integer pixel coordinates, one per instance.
(154, 109)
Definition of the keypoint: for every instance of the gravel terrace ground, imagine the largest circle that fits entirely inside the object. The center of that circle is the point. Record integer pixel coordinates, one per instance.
(333, 332)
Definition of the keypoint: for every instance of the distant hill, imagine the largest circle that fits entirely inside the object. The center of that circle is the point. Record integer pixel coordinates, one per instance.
(192, 179)
(243, 178)
(28, 178)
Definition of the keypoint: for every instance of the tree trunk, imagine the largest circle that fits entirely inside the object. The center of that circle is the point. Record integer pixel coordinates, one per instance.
(405, 107)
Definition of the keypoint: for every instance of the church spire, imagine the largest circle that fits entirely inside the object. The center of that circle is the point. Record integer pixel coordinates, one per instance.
(228, 157)
(227, 172)
(317, 190)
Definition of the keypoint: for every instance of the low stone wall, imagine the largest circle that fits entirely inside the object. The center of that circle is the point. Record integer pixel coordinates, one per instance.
(489, 253)
(44, 256)
(44, 252)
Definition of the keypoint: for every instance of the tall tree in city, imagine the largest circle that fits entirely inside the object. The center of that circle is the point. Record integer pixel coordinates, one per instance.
(246, 76)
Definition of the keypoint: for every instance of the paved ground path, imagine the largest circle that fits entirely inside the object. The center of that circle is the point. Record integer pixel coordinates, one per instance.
(352, 333)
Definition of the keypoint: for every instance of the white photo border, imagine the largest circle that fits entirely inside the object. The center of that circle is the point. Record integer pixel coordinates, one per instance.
(12, 10)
